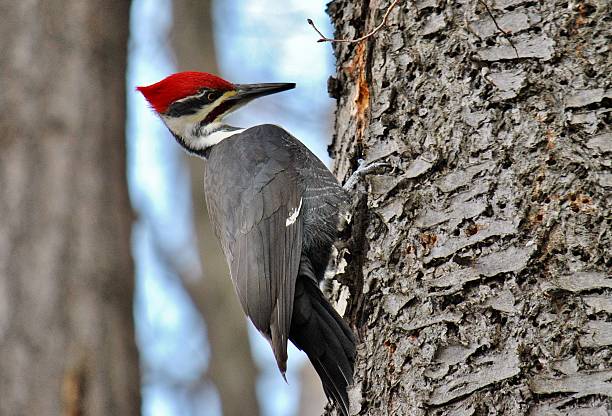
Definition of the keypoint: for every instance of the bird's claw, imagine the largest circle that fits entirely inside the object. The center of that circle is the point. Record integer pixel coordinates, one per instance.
(361, 171)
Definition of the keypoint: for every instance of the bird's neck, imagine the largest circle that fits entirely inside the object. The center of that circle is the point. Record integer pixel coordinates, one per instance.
(198, 139)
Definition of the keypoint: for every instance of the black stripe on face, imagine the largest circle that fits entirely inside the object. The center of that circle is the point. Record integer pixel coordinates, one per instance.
(217, 111)
(192, 105)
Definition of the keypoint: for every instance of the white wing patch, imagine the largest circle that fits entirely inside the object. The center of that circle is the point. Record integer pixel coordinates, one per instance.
(293, 215)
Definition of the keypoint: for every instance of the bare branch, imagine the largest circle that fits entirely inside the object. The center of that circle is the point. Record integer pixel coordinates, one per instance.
(371, 33)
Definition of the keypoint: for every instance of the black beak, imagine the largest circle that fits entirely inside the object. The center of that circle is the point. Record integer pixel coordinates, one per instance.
(248, 92)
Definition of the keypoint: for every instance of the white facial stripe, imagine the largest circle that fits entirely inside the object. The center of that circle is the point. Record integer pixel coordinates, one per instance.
(213, 138)
(200, 139)
(187, 125)
(191, 97)
(196, 136)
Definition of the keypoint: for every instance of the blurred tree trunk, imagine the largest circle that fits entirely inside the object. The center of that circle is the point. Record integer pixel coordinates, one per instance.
(231, 368)
(479, 265)
(66, 275)
(312, 398)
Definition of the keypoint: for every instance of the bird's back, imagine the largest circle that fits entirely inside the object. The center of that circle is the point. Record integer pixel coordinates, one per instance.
(249, 160)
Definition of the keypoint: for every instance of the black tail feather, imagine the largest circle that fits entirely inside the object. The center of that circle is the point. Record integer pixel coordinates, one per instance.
(318, 330)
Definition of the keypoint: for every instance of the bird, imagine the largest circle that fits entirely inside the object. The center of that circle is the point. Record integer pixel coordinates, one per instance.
(276, 209)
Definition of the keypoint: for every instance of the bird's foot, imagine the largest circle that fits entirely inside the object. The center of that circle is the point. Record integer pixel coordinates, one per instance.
(361, 171)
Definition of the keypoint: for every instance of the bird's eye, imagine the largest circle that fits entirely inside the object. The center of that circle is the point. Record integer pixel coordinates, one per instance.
(211, 96)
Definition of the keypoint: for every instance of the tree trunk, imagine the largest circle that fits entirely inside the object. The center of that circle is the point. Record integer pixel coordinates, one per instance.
(479, 263)
(66, 275)
(231, 367)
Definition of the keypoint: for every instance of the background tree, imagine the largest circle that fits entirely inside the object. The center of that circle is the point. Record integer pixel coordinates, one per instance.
(66, 275)
(231, 368)
(478, 271)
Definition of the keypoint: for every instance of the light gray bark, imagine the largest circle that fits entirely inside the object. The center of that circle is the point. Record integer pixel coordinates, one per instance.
(231, 366)
(66, 275)
(479, 264)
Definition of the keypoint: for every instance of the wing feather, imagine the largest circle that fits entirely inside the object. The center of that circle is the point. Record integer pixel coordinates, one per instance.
(263, 249)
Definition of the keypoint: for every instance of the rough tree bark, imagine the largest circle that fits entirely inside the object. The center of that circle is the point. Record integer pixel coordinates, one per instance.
(231, 365)
(66, 275)
(478, 268)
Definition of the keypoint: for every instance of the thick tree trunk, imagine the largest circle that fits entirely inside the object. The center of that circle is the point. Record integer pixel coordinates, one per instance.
(479, 265)
(66, 276)
(231, 367)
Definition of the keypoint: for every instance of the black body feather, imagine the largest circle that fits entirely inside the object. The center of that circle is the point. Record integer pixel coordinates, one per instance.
(275, 208)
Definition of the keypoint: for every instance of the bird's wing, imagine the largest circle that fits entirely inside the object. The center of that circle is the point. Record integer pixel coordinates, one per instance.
(260, 225)
(266, 258)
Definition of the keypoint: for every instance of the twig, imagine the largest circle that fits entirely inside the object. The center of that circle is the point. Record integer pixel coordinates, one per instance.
(376, 29)
(506, 34)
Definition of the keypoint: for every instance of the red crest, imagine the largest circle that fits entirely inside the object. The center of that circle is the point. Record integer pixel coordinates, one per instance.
(180, 85)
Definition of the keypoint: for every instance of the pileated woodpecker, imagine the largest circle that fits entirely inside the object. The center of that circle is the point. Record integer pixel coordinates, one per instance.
(275, 207)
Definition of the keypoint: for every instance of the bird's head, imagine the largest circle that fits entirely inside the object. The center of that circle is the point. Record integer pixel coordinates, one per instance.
(193, 104)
